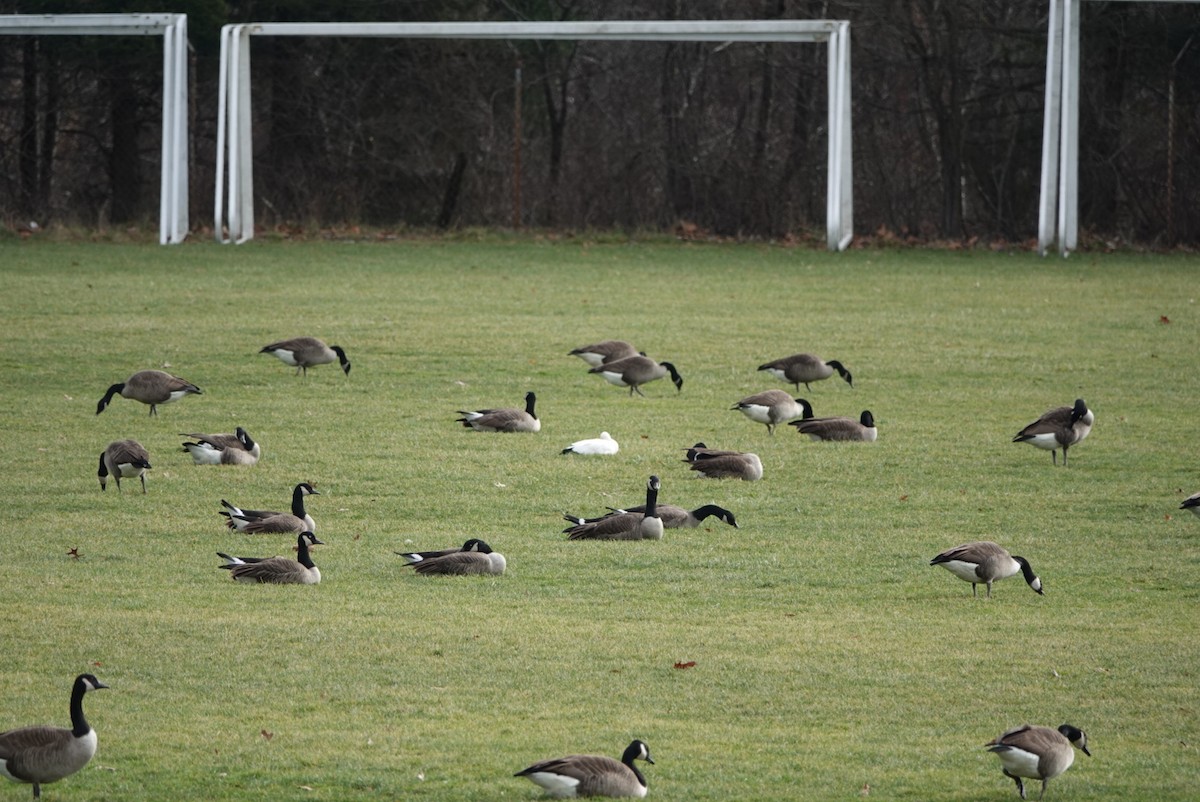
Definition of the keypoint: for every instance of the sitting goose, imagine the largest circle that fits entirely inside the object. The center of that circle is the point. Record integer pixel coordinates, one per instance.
(277, 570)
(1061, 427)
(606, 351)
(1038, 753)
(839, 428)
(634, 371)
(773, 407)
(44, 754)
(805, 368)
(151, 387)
(303, 353)
(223, 449)
(592, 775)
(986, 562)
(503, 420)
(474, 558)
(266, 521)
(123, 459)
(715, 464)
(675, 517)
(604, 444)
(645, 525)
(474, 544)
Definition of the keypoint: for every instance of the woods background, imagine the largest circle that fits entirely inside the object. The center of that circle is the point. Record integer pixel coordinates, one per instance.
(727, 139)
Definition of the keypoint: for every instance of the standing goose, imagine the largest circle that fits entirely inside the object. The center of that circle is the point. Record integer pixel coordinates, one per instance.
(715, 464)
(644, 525)
(123, 459)
(303, 353)
(1038, 753)
(1061, 427)
(839, 428)
(223, 449)
(591, 775)
(805, 368)
(474, 558)
(634, 371)
(474, 544)
(277, 570)
(986, 562)
(151, 387)
(44, 754)
(265, 521)
(773, 407)
(503, 420)
(604, 444)
(677, 517)
(1192, 503)
(603, 352)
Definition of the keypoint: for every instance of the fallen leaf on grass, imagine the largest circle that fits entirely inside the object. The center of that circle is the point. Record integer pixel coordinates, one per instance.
(688, 664)
(267, 735)
(1164, 319)
(73, 552)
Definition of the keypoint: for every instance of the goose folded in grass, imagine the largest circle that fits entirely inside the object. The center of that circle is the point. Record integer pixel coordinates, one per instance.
(503, 420)
(806, 368)
(591, 775)
(1061, 427)
(716, 464)
(986, 562)
(45, 754)
(267, 521)
(303, 353)
(634, 371)
(474, 558)
(123, 459)
(644, 525)
(839, 429)
(606, 351)
(773, 407)
(277, 570)
(223, 449)
(604, 444)
(151, 387)
(474, 544)
(1192, 503)
(673, 517)
(1038, 753)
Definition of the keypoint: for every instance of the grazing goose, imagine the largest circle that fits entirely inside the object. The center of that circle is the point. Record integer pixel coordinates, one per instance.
(644, 525)
(503, 420)
(223, 449)
(839, 429)
(474, 558)
(123, 459)
(805, 368)
(773, 407)
(44, 754)
(262, 521)
(604, 444)
(474, 544)
(715, 464)
(634, 371)
(676, 517)
(1061, 427)
(151, 387)
(591, 775)
(985, 562)
(277, 570)
(606, 351)
(1038, 753)
(1192, 503)
(303, 353)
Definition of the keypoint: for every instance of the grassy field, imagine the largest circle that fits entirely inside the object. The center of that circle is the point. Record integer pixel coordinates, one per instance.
(831, 661)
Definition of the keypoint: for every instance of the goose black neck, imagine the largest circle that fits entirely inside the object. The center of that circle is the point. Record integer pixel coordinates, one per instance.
(631, 754)
(108, 396)
(530, 400)
(651, 501)
(103, 470)
(1026, 569)
(302, 555)
(298, 502)
(342, 360)
(79, 725)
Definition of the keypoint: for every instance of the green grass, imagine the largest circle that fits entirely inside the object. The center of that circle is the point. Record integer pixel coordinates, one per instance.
(828, 653)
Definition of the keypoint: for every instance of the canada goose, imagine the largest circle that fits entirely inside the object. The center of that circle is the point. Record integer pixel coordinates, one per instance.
(591, 775)
(1192, 503)
(839, 428)
(151, 387)
(606, 351)
(503, 420)
(303, 353)
(715, 464)
(701, 451)
(1038, 753)
(277, 570)
(805, 368)
(634, 371)
(123, 459)
(604, 444)
(264, 521)
(223, 449)
(475, 557)
(474, 544)
(773, 407)
(1061, 427)
(44, 754)
(985, 562)
(644, 525)
(676, 517)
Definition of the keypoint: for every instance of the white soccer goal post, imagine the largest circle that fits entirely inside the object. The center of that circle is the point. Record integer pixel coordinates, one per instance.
(234, 212)
(173, 199)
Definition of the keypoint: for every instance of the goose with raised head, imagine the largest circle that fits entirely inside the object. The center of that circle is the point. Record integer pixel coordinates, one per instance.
(604, 444)
(1038, 753)
(503, 420)
(773, 407)
(804, 369)
(303, 353)
(839, 429)
(605, 351)
(44, 754)
(123, 459)
(634, 371)
(986, 562)
(475, 558)
(238, 448)
(591, 775)
(277, 570)
(267, 521)
(644, 525)
(1061, 427)
(714, 464)
(151, 387)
